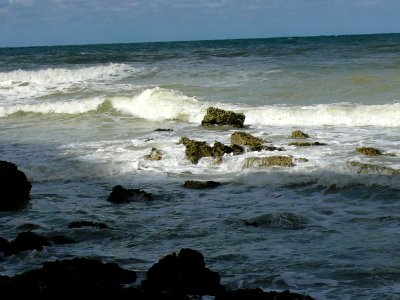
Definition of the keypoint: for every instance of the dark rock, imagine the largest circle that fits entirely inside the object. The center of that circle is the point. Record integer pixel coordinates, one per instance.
(259, 294)
(369, 151)
(184, 273)
(154, 154)
(217, 116)
(259, 148)
(306, 144)
(269, 161)
(80, 224)
(246, 139)
(62, 240)
(14, 187)
(4, 245)
(122, 195)
(278, 220)
(27, 241)
(163, 129)
(192, 184)
(298, 134)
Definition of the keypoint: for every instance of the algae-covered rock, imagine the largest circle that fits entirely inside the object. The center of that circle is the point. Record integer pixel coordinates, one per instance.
(369, 151)
(270, 161)
(298, 134)
(154, 155)
(362, 168)
(246, 139)
(306, 144)
(217, 116)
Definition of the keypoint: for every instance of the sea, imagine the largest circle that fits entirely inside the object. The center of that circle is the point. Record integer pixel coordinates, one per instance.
(81, 119)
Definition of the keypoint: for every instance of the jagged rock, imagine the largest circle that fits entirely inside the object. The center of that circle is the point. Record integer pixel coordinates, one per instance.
(122, 195)
(298, 134)
(184, 273)
(27, 241)
(217, 116)
(14, 187)
(259, 294)
(362, 168)
(369, 151)
(192, 184)
(246, 139)
(270, 161)
(306, 144)
(154, 154)
(80, 224)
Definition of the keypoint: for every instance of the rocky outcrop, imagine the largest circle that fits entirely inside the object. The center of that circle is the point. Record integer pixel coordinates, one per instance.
(185, 273)
(195, 150)
(154, 155)
(362, 168)
(246, 139)
(121, 195)
(269, 161)
(197, 185)
(306, 144)
(217, 116)
(14, 187)
(369, 151)
(298, 134)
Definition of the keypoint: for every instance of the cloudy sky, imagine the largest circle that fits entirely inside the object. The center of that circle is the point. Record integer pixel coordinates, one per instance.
(61, 22)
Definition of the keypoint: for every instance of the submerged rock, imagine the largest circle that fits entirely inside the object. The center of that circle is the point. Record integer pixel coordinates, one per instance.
(279, 220)
(185, 273)
(24, 241)
(14, 187)
(80, 224)
(306, 144)
(259, 294)
(122, 195)
(362, 168)
(246, 139)
(217, 116)
(259, 148)
(192, 184)
(269, 161)
(369, 151)
(163, 129)
(298, 134)
(154, 154)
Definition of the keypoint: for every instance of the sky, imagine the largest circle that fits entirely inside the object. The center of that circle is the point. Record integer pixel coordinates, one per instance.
(66, 22)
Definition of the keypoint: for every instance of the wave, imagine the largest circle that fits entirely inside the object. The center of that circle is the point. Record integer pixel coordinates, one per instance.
(158, 104)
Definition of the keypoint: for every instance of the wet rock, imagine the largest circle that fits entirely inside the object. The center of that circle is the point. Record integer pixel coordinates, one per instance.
(184, 273)
(216, 116)
(246, 139)
(80, 224)
(121, 195)
(62, 240)
(4, 245)
(301, 159)
(163, 129)
(154, 154)
(259, 148)
(298, 134)
(193, 184)
(279, 220)
(269, 161)
(27, 241)
(14, 187)
(306, 144)
(362, 168)
(369, 151)
(259, 294)
(80, 278)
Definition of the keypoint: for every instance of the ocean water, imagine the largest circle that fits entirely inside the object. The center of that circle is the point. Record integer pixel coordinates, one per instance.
(79, 120)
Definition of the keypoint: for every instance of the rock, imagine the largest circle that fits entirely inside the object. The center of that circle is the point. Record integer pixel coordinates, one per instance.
(192, 184)
(369, 151)
(122, 195)
(14, 187)
(298, 134)
(259, 294)
(154, 154)
(279, 220)
(362, 168)
(4, 245)
(270, 161)
(216, 116)
(80, 224)
(259, 148)
(27, 241)
(246, 139)
(62, 240)
(163, 129)
(184, 273)
(306, 144)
